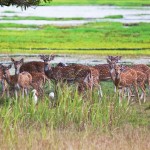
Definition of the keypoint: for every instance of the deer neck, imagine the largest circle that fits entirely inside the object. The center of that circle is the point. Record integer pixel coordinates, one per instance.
(117, 79)
(8, 79)
(112, 72)
(17, 71)
(48, 70)
(12, 79)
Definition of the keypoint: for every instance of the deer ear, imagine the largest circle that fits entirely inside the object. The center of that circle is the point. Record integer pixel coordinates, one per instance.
(22, 60)
(41, 56)
(119, 57)
(12, 60)
(51, 57)
(122, 68)
(9, 66)
(108, 61)
(1, 65)
(109, 57)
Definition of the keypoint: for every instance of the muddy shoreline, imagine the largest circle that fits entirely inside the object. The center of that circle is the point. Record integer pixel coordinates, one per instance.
(81, 59)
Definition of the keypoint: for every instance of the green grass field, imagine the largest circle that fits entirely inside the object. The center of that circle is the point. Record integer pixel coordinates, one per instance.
(100, 2)
(94, 38)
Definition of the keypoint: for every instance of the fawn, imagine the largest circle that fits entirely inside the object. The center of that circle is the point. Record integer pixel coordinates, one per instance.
(38, 78)
(21, 81)
(3, 82)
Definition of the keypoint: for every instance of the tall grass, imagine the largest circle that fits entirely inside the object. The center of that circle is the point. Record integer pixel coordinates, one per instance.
(69, 109)
(47, 123)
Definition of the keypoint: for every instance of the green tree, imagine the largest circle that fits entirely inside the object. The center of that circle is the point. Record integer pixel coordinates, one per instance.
(22, 3)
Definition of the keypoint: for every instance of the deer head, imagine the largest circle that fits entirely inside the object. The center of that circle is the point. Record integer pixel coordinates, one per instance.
(114, 58)
(119, 69)
(47, 58)
(5, 71)
(17, 65)
(112, 63)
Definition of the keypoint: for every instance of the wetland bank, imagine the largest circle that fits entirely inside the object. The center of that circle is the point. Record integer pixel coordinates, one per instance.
(75, 121)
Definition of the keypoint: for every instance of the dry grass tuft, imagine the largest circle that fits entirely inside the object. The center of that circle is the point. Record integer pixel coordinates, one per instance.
(126, 138)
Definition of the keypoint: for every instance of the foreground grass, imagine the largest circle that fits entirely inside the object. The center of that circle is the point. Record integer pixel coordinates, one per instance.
(71, 121)
(100, 2)
(94, 38)
(127, 138)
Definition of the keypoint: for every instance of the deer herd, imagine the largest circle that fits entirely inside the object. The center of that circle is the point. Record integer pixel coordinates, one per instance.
(128, 80)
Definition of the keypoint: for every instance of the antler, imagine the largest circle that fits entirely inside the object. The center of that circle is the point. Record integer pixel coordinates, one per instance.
(114, 58)
(47, 58)
(51, 57)
(41, 56)
(1, 65)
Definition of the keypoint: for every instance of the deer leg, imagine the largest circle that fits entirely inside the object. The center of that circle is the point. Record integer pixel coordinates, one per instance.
(26, 91)
(120, 96)
(129, 93)
(143, 95)
(149, 83)
(137, 93)
(115, 89)
(16, 94)
(100, 93)
(124, 89)
(7, 91)
(23, 92)
(3, 87)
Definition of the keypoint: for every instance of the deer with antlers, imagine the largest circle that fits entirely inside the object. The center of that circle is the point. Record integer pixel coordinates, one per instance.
(33, 66)
(38, 78)
(144, 69)
(140, 76)
(104, 69)
(125, 78)
(83, 75)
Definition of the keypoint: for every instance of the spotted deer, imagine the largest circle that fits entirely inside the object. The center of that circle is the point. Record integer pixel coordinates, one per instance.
(141, 77)
(38, 81)
(112, 61)
(145, 69)
(126, 78)
(83, 75)
(138, 67)
(33, 66)
(104, 69)
(21, 81)
(92, 81)
(17, 65)
(3, 82)
(38, 78)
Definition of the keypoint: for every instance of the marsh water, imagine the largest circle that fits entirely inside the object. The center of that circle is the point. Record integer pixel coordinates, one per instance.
(85, 13)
